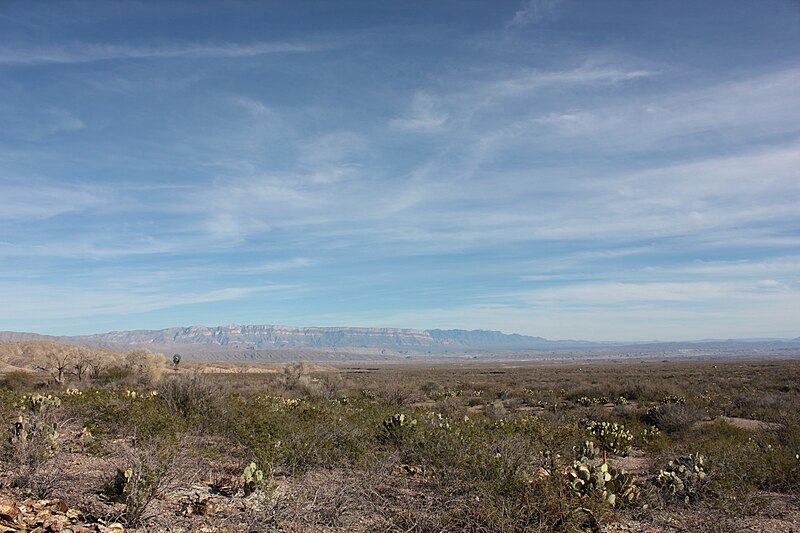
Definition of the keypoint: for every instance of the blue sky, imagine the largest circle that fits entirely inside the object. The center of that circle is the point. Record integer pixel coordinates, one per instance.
(623, 170)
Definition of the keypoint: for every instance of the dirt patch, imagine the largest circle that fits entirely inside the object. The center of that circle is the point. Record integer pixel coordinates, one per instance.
(778, 513)
(742, 423)
(634, 463)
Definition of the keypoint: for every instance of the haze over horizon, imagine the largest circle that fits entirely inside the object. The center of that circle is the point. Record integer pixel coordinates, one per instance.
(542, 167)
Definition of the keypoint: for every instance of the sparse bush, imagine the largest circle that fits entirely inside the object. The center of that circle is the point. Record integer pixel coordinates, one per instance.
(146, 366)
(111, 412)
(331, 385)
(116, 375)
(18, 380)
(673, 416)
(32, 440)
(294, 375)
(188, 394)
(394, 395)
(145, 477)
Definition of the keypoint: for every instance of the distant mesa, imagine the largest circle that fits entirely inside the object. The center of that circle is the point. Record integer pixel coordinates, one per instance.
(265, 343)
(266, 337)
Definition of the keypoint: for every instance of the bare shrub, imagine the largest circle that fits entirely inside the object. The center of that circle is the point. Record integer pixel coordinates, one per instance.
(147, 366)
(188, 394)
(430, 388)
(673, 417)
(145, 475)
(294, 376)
(394, 395)
(18, 380)
(32, 442)
(331, 385)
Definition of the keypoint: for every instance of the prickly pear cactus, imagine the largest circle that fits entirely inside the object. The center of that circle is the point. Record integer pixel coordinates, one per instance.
(620, 489)
(650, 433)
(34, 428)
(584, 479)
(614, 485)
(683, 478)
(679, 400)
(587, 450)
(121, 487)
(252, 478)
(611, 437)
(38, 403)
(398, 427)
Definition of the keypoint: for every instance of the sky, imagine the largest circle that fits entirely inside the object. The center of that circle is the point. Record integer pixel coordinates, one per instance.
(624, 170)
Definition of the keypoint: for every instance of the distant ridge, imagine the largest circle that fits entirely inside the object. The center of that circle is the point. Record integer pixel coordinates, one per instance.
(266, 337)
(266, 343)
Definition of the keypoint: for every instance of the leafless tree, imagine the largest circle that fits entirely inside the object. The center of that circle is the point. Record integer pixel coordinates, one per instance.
(55, 361)
(81, 363)
(294, 373)
(96, 361)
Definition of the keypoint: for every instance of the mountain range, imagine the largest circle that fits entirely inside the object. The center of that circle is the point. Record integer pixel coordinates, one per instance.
(265, 337)
(272, 343)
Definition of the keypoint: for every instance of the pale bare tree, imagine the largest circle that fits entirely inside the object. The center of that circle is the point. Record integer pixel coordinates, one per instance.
(81, 362)
(96, 361)
(294, 374)
(147, 366)
(55, 360)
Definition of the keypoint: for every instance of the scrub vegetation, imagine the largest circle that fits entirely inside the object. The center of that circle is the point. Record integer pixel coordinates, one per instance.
(700, 446)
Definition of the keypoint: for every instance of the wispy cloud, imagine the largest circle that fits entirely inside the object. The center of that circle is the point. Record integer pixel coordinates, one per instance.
(38, 199)
(737, 109)
(423, 115)
(89, 52)
(587, 74)
(35, 124)
(532, 12)
(36, 300)
(777, 266)
(707, 292)
(255, 107)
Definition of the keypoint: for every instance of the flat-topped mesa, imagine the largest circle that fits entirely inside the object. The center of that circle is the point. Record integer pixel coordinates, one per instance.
(274, 336)
(234, 337)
